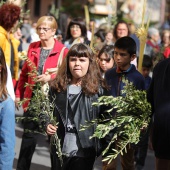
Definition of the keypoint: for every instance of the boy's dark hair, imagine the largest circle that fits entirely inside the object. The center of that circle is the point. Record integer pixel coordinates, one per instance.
(147, 62)
(126, 43)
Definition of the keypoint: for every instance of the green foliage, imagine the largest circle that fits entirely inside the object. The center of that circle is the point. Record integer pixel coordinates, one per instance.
(112, 18)
(54, 11)
(40, 110)
(132, 115)
(1, 3)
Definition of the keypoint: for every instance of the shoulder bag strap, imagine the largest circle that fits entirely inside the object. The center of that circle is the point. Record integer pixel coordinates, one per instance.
(60, 59)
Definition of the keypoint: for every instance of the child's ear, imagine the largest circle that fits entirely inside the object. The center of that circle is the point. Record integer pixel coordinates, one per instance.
(133, 57)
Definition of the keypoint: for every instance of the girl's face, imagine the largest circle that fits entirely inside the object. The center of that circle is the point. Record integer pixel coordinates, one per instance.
(78, 67)
(105, 63)
(75, 31)
(109, 37)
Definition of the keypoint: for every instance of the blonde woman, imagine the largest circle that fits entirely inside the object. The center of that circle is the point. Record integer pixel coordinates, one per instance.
(44, 54)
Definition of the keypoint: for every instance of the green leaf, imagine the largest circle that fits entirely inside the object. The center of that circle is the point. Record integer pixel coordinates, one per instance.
(132, 113)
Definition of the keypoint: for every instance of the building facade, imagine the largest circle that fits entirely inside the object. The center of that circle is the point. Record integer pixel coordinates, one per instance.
(159, 9)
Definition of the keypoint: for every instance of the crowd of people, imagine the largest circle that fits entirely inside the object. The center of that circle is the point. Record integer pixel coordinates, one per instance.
(83, 74)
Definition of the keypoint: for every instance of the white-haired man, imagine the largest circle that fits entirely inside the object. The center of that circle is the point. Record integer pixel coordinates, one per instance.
(152, 45)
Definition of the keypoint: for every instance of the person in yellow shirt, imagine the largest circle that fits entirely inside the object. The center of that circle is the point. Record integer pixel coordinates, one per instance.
(10, 14)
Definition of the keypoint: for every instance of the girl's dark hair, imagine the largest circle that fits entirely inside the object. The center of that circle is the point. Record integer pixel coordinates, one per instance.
(9, 13)
(116, 26)
(90, 82)
(77, 21)
(3, 76)
(126, 43)
(108, 50)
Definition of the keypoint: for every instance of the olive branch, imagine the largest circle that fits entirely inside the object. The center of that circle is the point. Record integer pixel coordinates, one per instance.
(126, 117)
(40, 109)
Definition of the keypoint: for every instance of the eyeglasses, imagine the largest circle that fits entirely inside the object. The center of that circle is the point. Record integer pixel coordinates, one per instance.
(75, 27)
(44, 29)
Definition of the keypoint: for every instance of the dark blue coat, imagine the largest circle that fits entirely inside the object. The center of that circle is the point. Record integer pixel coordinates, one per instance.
(114, 80)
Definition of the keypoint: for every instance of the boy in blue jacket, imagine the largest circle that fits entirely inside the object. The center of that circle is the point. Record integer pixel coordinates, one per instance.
(124, 53)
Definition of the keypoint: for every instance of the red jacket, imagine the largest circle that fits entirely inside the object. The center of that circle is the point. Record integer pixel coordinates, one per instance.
(33, 55)
(167, 52)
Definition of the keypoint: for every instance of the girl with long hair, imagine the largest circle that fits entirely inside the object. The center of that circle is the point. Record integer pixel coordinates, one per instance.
(77, 85)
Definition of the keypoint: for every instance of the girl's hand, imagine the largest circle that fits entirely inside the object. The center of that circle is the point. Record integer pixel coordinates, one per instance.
(51, 130)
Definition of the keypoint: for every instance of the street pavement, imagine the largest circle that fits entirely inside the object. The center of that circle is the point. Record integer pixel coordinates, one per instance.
(41, 157)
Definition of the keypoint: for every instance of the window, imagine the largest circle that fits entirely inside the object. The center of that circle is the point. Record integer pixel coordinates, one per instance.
(37, 7)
